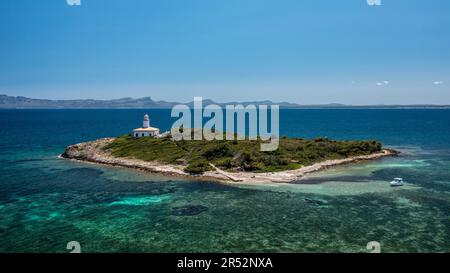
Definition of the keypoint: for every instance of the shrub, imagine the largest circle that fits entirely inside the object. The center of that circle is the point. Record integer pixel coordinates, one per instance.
(224, 163)
(198, 167)
(218, 150)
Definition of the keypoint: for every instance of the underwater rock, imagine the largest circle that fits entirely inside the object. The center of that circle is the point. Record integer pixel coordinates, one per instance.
(27, 160)
(162, 191)
(81, 173)
(189, 210)
(314, 202)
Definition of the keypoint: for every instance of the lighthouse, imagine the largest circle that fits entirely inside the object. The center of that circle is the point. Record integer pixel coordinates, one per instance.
(146, 123)
(146, 130)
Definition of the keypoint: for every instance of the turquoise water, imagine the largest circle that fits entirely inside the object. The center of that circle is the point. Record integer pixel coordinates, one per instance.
(46, 202)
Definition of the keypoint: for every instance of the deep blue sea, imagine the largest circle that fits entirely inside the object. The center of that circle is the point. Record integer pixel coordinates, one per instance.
(45, 201)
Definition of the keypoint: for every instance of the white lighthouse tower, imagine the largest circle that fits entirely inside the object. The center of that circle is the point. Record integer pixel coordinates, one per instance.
(146, 130)
(146, 123)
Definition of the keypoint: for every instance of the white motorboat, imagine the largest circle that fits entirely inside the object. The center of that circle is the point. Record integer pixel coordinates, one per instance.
(397, 182)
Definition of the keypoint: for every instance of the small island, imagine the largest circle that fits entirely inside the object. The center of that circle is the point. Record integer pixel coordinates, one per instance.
(224, 160)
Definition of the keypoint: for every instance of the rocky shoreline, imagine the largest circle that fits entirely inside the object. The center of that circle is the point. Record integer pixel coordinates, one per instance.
(95, 152)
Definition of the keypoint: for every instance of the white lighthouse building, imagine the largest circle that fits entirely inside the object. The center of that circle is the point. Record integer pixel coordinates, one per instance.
(146, 130)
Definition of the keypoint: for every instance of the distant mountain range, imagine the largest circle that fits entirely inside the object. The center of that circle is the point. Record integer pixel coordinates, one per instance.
(10, 102)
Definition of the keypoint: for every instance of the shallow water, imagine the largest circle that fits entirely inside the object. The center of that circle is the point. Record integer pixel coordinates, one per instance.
(46, 202)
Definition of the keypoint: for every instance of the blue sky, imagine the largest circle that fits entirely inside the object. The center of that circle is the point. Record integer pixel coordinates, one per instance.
(304, 51)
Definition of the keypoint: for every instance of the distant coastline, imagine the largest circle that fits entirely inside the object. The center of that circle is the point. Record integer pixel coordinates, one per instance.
(11, 102)
(97, 152)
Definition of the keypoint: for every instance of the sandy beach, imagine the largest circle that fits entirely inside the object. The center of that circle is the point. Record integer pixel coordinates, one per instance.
(94, 152)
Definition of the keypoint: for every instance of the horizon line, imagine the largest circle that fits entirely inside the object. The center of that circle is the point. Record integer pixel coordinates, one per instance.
(329, 105)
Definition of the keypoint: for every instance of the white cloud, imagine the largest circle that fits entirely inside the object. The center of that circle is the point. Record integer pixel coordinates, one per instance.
(73, 2)
(374, 2)
(382, 83)
(438, 82)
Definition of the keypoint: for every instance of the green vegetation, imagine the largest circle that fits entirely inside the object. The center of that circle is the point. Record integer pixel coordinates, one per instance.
(245, 155)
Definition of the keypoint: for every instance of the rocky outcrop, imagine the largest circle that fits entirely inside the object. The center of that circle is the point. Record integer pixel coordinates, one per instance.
(88, 151)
